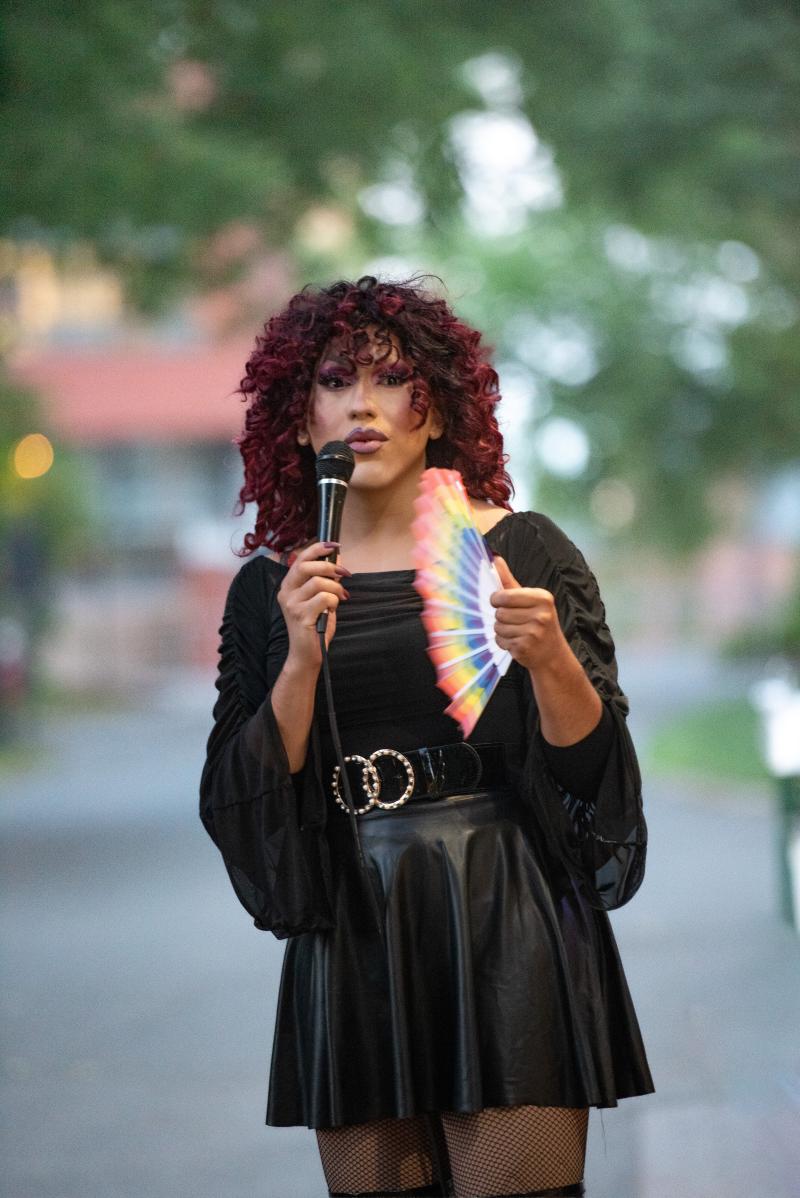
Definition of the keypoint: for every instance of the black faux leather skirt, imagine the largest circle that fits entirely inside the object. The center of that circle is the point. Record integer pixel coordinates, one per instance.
(488, 987)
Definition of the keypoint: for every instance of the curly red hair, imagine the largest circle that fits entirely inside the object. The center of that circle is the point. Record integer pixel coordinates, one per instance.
(451, 370)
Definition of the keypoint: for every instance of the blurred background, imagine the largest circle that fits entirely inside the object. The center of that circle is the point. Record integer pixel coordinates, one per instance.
(611, 192)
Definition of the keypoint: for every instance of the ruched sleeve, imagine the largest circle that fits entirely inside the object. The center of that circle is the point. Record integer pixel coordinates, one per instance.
(263, 820)
(598, 837)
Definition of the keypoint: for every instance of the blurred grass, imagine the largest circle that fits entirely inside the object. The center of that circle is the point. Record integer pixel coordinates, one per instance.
(23, 738)
(720, 739)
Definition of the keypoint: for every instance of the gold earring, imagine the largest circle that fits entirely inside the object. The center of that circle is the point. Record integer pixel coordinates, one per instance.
(302, 437)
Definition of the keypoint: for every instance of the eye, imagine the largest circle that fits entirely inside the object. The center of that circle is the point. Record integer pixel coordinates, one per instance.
(332, 379)
(396, 378)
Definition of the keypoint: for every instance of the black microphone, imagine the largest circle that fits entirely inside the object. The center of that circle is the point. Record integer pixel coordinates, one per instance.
(335, 464)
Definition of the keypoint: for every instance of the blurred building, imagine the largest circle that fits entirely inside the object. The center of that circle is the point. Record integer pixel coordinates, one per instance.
(151, 412)
(154, 428)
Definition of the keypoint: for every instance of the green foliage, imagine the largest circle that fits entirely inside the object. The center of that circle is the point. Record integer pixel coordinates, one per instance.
(778, 638)
(673, 116)
(720, 740)
(147, 129)
(665, 428)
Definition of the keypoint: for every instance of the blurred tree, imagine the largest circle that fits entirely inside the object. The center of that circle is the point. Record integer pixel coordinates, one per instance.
(678, 378)
(146, 128)
(647, 149)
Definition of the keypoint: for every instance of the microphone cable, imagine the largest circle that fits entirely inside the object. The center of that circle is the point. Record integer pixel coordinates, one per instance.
(344, 781)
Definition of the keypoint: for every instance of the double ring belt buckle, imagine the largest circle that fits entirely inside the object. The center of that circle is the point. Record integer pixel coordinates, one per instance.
(371, 781)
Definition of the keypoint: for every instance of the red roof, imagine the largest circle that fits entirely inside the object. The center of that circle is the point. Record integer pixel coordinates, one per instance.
(139, 394)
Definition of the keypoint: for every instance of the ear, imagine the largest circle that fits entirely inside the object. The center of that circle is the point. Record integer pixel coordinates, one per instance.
(436, 427)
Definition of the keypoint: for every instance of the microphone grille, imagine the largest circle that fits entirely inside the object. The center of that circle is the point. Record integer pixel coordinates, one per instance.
(335, 460)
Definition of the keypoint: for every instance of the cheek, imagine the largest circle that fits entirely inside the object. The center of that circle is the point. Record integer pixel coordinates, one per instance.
(320, 409)
(410, 415)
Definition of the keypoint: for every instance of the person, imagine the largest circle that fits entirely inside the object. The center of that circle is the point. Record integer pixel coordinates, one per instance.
(449, 1012)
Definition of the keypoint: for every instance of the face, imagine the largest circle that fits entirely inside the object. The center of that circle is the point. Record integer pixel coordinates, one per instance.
(365, 400)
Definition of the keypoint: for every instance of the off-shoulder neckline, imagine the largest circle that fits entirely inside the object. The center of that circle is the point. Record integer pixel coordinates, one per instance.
(406, 571)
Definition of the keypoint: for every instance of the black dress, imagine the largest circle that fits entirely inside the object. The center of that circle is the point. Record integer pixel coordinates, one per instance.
(496, 981)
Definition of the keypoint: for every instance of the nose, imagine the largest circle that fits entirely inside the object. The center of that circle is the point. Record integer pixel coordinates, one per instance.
(363, 399)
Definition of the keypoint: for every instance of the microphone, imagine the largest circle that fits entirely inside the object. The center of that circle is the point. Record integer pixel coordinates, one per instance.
(334, 466)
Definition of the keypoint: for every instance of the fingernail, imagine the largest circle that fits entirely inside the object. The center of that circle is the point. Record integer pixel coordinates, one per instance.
(343, 571)
(346, 593)
(331, 544)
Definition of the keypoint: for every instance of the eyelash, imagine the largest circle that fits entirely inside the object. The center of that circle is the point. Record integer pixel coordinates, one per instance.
(327, 379)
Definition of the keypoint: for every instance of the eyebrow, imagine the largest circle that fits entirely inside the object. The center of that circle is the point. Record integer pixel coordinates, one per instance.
(345, 360)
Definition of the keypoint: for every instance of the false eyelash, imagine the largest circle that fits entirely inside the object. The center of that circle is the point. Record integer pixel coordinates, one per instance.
(331, 377)
(326, 377)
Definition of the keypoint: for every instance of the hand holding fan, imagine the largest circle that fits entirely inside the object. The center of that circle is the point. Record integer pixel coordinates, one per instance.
(455, 577)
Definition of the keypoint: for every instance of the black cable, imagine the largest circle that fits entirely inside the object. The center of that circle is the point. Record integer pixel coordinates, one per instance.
(344, 781)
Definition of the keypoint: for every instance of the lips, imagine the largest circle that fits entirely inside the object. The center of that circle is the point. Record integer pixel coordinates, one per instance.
(365, 440)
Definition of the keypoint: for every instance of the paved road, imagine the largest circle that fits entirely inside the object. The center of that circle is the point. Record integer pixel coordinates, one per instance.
(138, 1005)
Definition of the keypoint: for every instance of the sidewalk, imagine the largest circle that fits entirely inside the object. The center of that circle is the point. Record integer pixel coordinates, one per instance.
(138, 1007)
(716, 982)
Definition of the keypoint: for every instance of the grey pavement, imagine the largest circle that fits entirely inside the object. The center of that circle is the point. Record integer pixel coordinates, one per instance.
(138, 1001)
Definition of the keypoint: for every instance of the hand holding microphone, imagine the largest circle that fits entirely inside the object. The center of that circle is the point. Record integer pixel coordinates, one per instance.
(335, 464)
(312, 588)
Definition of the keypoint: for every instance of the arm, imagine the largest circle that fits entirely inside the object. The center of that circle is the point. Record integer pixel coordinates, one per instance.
(269, 833)
(311, 586)
(580, 769)
(527, 625)
(293, 707)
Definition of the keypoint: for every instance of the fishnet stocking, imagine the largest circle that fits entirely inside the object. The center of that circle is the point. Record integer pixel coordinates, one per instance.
(514, 1150)
(494, 1153)
(387, 1154)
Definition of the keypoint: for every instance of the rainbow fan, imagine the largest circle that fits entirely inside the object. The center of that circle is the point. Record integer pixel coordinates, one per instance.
(455, 576)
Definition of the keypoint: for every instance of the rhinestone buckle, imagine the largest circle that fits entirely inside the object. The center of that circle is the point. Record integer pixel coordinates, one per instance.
(371, 781)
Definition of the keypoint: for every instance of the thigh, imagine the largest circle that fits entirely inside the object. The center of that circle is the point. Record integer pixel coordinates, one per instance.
(513, 1150)
(385, 1154)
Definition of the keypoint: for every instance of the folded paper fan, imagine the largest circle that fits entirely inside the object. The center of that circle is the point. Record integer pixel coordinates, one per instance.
(455, 576)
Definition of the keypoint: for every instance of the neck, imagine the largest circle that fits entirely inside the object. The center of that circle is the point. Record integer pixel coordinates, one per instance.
(376, 527)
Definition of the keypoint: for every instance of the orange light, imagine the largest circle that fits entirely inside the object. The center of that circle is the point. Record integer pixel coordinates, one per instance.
(32, 456)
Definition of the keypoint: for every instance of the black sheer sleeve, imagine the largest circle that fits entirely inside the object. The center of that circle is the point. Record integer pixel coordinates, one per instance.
(264, 821)
(599, 837)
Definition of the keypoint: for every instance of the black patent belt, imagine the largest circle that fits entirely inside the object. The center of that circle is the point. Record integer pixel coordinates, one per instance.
(388, 779)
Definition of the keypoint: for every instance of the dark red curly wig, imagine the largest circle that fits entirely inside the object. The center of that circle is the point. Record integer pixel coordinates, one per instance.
(451, 370)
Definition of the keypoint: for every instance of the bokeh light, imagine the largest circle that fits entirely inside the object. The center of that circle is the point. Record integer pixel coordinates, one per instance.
(32, 456)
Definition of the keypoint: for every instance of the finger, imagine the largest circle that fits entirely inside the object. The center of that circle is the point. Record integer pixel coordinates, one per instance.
(522, 617)
(535, 613)
(511, 644)
(318, 584)
(506, 577)
(317, 549)
(319, 568)
(325, 601)
(522, 597)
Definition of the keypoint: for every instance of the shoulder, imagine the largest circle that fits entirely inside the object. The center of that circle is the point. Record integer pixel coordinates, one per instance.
(487, 514)
(256, 580)
(533, 544)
